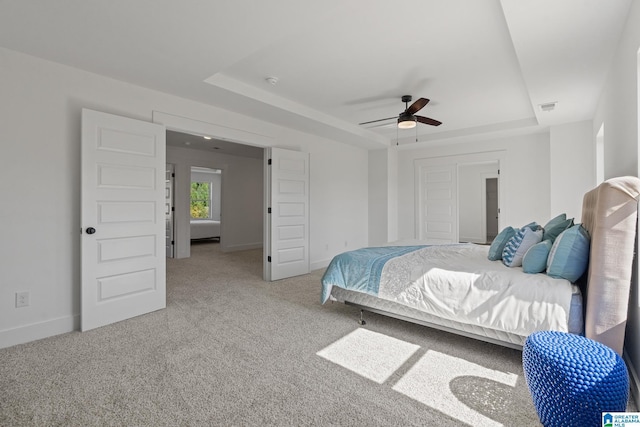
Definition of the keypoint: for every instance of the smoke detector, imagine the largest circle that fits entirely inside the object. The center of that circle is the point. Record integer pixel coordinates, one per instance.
(272, 80)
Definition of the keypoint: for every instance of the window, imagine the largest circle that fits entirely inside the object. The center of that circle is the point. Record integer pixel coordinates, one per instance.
(201, 200)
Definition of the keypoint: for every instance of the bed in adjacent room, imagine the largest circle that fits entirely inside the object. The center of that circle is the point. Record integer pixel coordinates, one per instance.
(205, 229)
(564, 275)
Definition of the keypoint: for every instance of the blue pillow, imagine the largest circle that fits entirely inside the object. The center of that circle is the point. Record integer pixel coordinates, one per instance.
(551, 232)
(532, 225)
(535, 260)
(519, 245)
(569, 255)
(555, 221)
(499, 242)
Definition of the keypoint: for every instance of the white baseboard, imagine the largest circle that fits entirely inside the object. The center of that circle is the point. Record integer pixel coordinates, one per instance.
(243, 247)
(316, 265)
(36, 331)
(634, 380)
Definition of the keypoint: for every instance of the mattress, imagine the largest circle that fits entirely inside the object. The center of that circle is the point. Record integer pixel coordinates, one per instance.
(457, 287)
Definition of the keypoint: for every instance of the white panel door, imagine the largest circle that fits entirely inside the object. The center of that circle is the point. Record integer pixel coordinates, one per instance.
(123, 218)
(287, 237)
(437, 213)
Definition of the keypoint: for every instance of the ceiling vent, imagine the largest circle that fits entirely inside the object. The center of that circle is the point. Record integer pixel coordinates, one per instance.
(549, 106)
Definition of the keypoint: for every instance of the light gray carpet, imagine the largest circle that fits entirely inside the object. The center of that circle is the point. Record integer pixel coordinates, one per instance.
(230, 349)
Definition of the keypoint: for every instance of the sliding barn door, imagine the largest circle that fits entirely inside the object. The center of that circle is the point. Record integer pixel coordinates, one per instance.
(123, 218)
(437, 203)
(287, 223)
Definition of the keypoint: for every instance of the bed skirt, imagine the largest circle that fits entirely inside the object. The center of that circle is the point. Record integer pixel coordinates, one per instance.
(402, 312)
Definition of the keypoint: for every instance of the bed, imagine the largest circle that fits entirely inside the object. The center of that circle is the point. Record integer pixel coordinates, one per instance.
(205, 229)
(457, 288)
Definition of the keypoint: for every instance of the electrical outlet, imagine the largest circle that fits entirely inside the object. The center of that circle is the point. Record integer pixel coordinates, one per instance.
(22, 299)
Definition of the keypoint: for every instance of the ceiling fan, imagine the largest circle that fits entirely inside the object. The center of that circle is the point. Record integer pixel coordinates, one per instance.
(408, 119)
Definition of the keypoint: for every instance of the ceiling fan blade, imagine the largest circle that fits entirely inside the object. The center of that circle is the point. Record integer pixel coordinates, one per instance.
(382, 125)
(428, 121)
(380, 120)
(417, 106)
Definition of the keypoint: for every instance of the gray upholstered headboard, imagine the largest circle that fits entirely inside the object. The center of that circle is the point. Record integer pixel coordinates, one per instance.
(609, 213)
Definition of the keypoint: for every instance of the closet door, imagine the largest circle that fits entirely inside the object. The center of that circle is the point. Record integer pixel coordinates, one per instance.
(436, 203)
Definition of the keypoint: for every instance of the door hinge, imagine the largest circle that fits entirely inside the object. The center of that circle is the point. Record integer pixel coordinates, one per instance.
(172, 242)
(268, 259)
(173, 175)
(498, 171)
(268, 210)
(269, 161)
(173, 209)
(498, 210)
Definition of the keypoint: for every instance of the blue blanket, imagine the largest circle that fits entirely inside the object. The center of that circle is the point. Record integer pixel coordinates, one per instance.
(360, 270)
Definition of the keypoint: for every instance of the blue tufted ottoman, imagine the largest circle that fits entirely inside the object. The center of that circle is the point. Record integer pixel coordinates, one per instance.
(573, 379)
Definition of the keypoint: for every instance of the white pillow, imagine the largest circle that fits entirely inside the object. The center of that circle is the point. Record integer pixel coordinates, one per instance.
(519, 244)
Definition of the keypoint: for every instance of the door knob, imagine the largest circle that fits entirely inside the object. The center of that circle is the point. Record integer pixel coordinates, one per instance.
(91, 230)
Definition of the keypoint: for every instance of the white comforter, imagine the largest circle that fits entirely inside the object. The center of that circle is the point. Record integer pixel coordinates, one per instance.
(458, 282)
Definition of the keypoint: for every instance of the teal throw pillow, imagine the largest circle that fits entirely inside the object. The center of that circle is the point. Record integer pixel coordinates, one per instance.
(500, 241)
(555, 221)
(551, 232)
(569, 255)
(532, 225)
(519, 244)
(535, 260)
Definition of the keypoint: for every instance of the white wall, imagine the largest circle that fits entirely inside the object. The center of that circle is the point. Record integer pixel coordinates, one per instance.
(571, 145)
(40, 106)
(383, 196)
(618, 105)
(339, 193)
(524, 178)
(242, 198)
(378, 197)
(618, 110)
(392, 179)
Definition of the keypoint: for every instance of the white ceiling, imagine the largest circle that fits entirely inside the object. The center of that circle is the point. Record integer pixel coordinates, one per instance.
(486, 65)
(198, 142)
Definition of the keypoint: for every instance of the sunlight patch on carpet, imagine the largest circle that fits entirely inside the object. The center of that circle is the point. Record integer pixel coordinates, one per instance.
(369, 354)
(428, 382)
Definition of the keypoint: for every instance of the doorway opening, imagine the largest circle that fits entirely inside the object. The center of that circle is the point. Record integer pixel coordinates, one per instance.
(218, 192)
(204, 204)
(478, 201)
(491, 208)
(245, 223)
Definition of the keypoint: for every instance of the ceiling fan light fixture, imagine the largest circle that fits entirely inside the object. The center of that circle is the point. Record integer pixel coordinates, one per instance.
(406, 121)
(408, 118)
